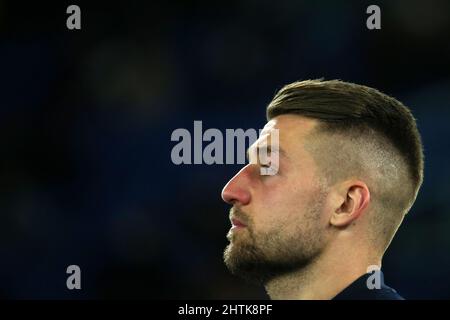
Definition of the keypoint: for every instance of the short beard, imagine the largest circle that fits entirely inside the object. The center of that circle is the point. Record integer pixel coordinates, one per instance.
(259, 258)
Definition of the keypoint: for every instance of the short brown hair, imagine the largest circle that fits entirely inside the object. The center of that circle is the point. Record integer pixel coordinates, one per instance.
(348, 110)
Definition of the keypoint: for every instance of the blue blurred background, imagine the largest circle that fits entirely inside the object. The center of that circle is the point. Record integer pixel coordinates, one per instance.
(86, 118)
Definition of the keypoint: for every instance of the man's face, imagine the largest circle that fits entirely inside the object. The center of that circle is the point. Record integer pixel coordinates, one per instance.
(278, 220)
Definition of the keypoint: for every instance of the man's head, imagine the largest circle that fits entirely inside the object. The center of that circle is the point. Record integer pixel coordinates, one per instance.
(350, 166)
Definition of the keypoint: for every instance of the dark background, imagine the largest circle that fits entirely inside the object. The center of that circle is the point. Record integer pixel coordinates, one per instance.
(86, 118)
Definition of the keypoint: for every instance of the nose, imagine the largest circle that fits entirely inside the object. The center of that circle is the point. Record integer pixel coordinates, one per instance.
(236, 191)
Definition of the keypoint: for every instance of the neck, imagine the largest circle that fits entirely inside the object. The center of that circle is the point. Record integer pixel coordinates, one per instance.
(323, 278)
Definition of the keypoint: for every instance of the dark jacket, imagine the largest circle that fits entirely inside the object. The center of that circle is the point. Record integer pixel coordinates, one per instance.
(359, 290)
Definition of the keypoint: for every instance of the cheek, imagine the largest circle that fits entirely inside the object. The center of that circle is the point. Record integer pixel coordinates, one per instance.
(282, 206)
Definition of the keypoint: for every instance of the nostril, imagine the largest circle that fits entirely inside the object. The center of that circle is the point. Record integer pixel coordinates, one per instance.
(236, 195)
(236, 191)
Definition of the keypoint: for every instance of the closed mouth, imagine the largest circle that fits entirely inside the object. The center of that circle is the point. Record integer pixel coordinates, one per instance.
(237, 223)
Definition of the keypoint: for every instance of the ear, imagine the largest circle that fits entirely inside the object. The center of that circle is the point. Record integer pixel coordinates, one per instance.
(352, 199)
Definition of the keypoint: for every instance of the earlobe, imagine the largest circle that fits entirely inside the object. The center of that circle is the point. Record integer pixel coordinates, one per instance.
(354, 199)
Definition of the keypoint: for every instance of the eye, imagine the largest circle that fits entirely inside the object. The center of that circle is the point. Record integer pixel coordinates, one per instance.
(266, 171)
(265, 165)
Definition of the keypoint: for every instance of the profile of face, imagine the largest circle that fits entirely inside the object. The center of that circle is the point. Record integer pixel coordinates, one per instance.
(278, 221)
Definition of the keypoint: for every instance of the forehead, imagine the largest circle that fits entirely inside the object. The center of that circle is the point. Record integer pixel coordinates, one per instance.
(292, 130)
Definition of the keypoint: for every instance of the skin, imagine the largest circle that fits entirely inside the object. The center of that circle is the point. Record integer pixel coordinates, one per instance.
(303, 239)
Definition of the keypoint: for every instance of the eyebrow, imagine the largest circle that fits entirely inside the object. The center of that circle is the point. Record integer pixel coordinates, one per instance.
(269, 150)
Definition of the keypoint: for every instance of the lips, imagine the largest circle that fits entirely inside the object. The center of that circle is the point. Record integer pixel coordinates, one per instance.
(237, 223)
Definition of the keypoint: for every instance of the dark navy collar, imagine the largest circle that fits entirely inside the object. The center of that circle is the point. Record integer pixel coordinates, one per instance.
(359, 290)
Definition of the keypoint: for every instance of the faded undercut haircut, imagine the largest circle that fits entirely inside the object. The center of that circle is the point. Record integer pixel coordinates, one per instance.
(365, 134)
